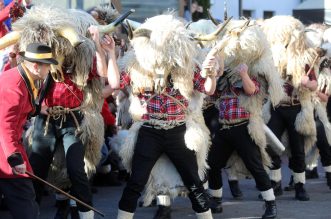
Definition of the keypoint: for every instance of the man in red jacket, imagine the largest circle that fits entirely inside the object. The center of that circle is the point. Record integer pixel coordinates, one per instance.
(17, 101)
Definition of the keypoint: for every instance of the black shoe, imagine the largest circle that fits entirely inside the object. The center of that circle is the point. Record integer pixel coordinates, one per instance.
(290, 186)
(235, 190)
(163, 212)
(270, 210)
(74, 213)
(300, 192)
(312, 174)
(215, 204)
(328, 179)
(63, 209)
(277, 187)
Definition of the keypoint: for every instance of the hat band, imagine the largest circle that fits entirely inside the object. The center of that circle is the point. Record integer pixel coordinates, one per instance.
(38, 55)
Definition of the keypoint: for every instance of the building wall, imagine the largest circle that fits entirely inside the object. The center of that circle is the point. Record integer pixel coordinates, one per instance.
(257, 7)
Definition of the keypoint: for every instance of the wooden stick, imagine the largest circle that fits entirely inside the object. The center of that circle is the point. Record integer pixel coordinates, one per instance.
(312, 65)
(64, 193)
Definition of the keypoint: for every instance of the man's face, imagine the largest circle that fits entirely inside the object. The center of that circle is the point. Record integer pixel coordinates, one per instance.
(43, 70)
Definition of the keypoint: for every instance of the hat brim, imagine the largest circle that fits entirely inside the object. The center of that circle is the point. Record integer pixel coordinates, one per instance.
(46, 61)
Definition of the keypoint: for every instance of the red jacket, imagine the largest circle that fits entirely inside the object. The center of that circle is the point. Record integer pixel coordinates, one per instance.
(15, 106)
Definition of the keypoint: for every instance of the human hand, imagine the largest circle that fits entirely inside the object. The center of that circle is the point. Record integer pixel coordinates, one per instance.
(94, 31)
(242, 69)
(304, 80)
(44, 110)
(19, 169)
(108, 44)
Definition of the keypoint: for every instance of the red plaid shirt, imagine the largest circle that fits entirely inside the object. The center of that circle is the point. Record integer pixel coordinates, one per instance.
(66, 93)
(229, 108)
(164, 104)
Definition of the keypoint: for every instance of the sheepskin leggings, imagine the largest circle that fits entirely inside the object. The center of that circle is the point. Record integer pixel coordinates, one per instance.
(283, 118)
(151, 144)
(43, 148)
(224, 144)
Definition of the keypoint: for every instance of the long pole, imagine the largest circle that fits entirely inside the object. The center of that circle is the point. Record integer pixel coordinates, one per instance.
(64, 193)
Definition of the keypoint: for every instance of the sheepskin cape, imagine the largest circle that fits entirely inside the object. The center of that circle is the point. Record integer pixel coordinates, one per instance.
(43, 24)
(249, 45)
(291, 52)
(167, 51)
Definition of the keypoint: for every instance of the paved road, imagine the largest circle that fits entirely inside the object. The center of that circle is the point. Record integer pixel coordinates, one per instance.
(319, 207)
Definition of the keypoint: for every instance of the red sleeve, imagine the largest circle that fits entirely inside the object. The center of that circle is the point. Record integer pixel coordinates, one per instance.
(125, 79)
(257, 86)
(199, 81)
(108, 117)
(10, 107)
(94, 72)
(4, 13)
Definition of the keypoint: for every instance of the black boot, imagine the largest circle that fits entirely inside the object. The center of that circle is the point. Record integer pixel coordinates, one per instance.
(215, 204)
(300, 192)
(235, 190)
(277, 187)
(270, 210)
(63, 209)
(290, 186)
(163, 212)
(312, 174)
(328, 179)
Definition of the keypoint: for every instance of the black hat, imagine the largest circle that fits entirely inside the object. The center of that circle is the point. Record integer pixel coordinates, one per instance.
(37, 52)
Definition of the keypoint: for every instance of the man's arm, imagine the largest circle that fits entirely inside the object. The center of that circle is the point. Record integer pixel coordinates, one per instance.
(10, 102)
(248, 84)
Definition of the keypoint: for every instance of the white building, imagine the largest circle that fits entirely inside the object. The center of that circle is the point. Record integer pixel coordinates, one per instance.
(254, 9)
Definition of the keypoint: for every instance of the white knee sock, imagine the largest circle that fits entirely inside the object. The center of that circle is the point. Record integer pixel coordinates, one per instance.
(204, 215)
(86, 215)
(124, 214)
(275, 175)
(216, 193)
(163, 200)
(268, 195)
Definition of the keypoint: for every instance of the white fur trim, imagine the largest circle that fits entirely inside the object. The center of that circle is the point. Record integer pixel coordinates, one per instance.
(124, 215)
(268, 195)
(216, 193)
(299, 177)
(163, 200)
(204, 215)
(86, 215)
(275, 175)
(327, 169)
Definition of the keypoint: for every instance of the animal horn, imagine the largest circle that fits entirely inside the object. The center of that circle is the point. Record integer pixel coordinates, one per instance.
(71, 35)
(212, 36)
(9, 39)
(111, 27)
(212, 18)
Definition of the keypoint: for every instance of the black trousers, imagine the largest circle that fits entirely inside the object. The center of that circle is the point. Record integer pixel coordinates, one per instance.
(323, 144)
(283, 118)
(151, 144)
(43, 148)
(20, 197)
(224, 144)
(211, 116)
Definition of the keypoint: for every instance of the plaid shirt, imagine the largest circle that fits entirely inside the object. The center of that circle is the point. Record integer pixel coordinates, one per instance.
(66, 93)
(229, 108)
(162, 104)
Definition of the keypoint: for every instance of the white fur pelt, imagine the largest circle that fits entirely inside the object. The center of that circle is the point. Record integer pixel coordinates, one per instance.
(166, 50)
(251, 48)
(291, 52)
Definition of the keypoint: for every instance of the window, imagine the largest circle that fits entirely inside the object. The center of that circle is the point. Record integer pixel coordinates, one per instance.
(247, 13)
(268, 14)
